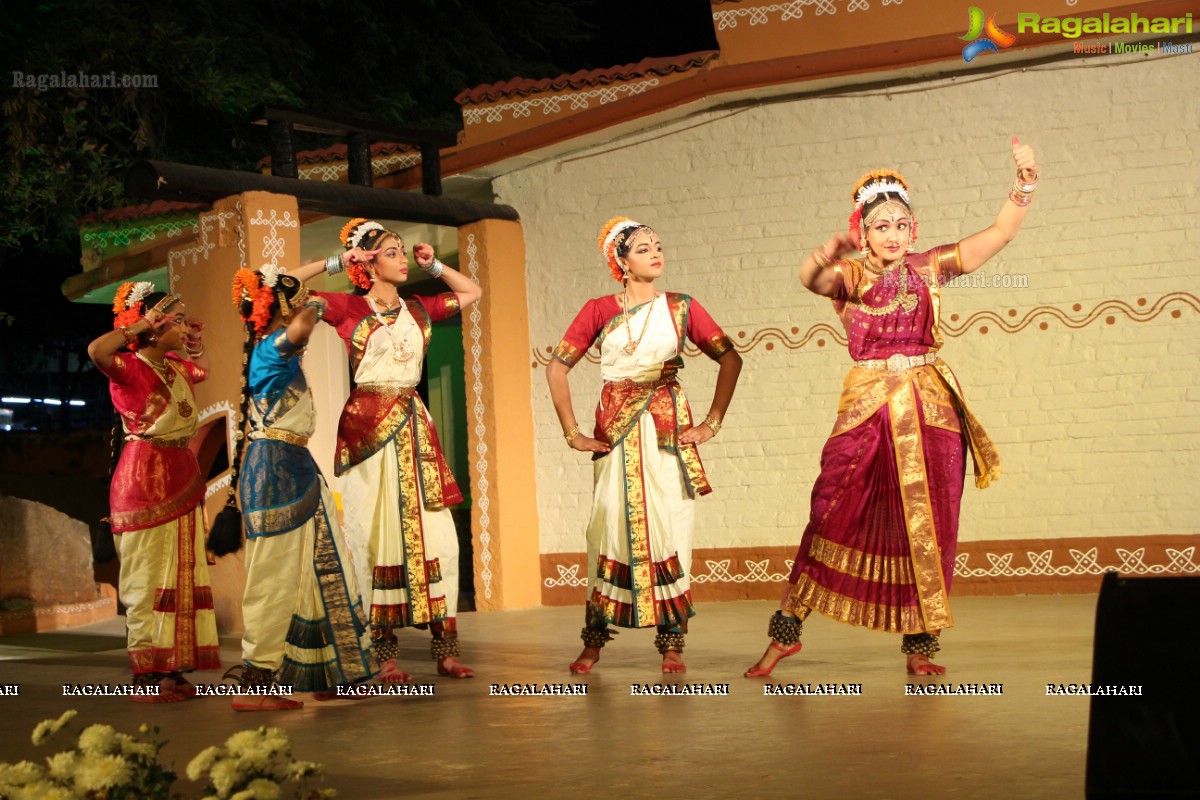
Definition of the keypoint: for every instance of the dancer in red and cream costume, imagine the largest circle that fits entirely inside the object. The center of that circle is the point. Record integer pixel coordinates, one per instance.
(647, 466)
(396, 485)
(883, 525)
(156, 491)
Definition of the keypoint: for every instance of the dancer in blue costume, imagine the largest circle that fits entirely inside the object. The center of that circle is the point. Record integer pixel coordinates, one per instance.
(303, 615)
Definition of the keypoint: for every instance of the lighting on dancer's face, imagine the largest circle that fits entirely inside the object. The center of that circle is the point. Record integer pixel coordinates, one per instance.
(888, 236)
(391, 262)
(645, 260)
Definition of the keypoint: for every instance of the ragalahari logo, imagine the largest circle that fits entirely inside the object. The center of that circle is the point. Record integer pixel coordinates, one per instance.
(992, 37)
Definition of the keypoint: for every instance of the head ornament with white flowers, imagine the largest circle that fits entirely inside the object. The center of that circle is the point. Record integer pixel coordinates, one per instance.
(616, 239)
(881, 192)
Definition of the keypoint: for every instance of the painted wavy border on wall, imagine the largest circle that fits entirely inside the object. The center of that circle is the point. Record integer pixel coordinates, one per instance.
(1024, 566)
(982, 322)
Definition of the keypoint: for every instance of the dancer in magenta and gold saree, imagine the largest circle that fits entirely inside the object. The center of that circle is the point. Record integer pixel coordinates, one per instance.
(647, 466)
(156, 492)
(883, 524)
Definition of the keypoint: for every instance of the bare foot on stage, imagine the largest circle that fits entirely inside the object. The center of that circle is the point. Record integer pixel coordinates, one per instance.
(389, 673)
(168, 692)
(774, 654)
(453, 668)
(587, 659)
(265, 703)
(921, 665)
(673, 663)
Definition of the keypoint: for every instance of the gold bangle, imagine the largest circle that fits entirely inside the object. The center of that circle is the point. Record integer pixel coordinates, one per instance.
(195, 353)
(713, 423)
(820, 259)
(130, 337)
(571, 433)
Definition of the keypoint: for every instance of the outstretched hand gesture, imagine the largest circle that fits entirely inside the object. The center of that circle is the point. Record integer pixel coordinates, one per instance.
(1027, 168)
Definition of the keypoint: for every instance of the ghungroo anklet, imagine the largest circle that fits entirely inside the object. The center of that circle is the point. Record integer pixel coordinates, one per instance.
(149, 678)
(444, 648)
(669, 643)
(919, 644)
(385, 651)
(785, 630)
(596, 637)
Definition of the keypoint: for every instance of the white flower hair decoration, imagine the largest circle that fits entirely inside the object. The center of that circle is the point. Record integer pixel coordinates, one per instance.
(140, 291)
(270, 274)
(868, 193)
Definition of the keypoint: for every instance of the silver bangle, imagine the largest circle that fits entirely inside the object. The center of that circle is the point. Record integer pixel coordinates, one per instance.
(334, 265)
(435, 268)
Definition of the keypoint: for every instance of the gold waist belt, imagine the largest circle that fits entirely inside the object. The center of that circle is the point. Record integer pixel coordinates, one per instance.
(180, 443)
(390, 389)
(897, 362)
(281, 436)
(627, 382)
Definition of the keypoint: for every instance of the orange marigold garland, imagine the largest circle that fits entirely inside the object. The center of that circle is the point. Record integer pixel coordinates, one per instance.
(607, 241)
(128, 306)
(261, 314)
(348, 229)
(122, 298)
(245, 285)
(355, 271)
(358, 275)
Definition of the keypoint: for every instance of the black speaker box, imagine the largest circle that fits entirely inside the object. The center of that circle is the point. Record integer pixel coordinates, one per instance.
(1147, 636)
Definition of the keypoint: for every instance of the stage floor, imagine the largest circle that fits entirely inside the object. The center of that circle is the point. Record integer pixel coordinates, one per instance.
(464, 742)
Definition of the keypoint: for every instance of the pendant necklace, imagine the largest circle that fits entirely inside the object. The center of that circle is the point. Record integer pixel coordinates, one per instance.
(401, 352)
(629, 348)
(166, 372)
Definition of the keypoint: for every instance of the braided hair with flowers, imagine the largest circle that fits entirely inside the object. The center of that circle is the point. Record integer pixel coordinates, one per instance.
(366, 234)
(614, 240)
(877, 191)
(257, 297)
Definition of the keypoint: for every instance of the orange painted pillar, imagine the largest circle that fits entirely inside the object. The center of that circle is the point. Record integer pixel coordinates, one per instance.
(504, 520)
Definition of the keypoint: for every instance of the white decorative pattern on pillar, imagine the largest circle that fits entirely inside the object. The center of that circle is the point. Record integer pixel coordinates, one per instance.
(481, 464)
(273, 243)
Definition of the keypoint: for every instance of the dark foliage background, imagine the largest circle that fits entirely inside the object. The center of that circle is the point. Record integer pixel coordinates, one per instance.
(66, 150)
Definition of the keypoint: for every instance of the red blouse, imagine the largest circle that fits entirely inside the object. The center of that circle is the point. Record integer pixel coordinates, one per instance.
(157, 478)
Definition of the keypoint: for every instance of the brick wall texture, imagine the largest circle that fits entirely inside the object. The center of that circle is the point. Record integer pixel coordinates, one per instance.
(1077, 345)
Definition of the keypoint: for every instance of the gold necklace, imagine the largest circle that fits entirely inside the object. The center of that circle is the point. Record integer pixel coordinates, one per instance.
(632, 345)
(401, 352)
(387, 305)
(161, 368)
(901, 299)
